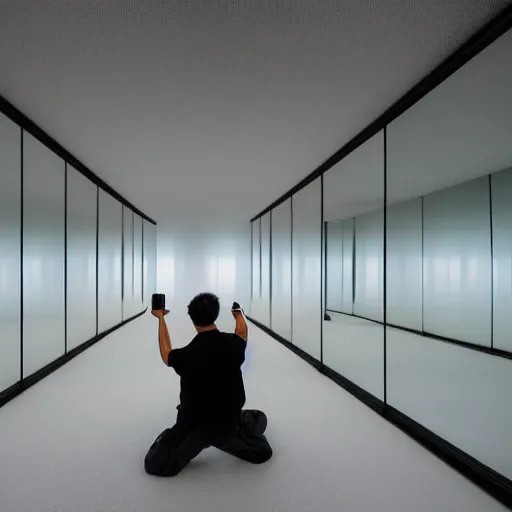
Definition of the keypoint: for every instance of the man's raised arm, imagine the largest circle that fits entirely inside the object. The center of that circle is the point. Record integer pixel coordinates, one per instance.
(164, 340)
(241, 325)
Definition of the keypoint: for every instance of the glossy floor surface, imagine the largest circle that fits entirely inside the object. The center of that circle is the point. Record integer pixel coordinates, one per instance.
(76, 441)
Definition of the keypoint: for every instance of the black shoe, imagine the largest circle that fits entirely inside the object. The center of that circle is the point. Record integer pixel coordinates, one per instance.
(236, 307)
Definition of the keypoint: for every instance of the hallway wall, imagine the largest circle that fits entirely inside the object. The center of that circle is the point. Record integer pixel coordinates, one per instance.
(191, 260)
(66, 257)
(405, 245)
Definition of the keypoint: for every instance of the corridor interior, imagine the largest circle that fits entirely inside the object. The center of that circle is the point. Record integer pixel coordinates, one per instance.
(75, 442)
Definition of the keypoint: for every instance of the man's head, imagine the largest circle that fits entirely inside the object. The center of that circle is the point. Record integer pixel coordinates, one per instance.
(204, 310)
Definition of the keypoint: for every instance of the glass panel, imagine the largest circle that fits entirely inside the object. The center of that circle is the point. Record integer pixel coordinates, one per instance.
(137, 264)
(10, 236)
(256, 270)
(81, 256)
(109, 262)
(264, 317)
(306, 268)
(282, 270)
(43, 255)
(443, 150)
(128, 302)
(353, 345)
(501, 186)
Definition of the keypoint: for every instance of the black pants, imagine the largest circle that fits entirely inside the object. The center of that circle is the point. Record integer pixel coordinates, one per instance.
(175, 447)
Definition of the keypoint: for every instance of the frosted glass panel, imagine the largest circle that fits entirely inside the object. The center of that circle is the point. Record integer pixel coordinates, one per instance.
(43, 256)
(149, 262)
(404, 265)
(457, 393)
(81, 258)
(307, 254)
(457, 262)
(369, 266)
(137, 264)
(334, 247)
(501, 186)
(256, 270)
(264, 316)
(128, 302)
(282, 270)
(10, 237)
(109, 262)
(348, 267)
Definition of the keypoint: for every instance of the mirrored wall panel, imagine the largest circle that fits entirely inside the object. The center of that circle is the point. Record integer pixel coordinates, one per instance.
(449, 258)
(149, 262)
(10, 256)
(128, 276)
(264, 312)
(137, 264)
(281, 318)
(43, 255)
(353, 333)
(81, 258)
(256, 269)
(306, 268)
(109, 261)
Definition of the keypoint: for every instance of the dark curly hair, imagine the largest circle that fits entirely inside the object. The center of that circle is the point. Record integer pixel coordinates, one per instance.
(204, 309)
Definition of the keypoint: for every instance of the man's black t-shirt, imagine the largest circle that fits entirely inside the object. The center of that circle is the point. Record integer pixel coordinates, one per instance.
(212, 388)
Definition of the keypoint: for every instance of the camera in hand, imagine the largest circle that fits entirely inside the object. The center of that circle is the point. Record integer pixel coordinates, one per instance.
(158, 302)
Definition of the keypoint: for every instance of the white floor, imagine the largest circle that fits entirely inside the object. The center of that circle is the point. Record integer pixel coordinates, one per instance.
(75, 442)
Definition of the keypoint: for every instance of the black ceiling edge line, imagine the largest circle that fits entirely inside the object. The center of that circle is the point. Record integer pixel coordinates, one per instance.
(487, 35)
(29, 126)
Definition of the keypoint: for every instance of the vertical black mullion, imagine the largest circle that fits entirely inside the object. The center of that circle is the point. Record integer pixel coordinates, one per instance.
(270, 288)
(261, 266)
(492, 262)
(142, 265)
(422, 266)
(353, 265)
(65, 257)
(324, 280)
(21, 255)
(322, 270)
(97, 254)
(122, 261)
(133, 260)
(252, 261)
(291, 269)
(385, 169)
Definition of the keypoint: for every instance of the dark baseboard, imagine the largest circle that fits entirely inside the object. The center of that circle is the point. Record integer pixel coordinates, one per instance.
(12, 392)
(495, 484)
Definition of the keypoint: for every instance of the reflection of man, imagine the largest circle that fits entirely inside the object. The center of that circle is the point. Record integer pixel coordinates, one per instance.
(212, 394)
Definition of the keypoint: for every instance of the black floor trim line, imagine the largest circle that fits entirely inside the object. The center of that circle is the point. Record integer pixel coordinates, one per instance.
(483, 476)
(18, 388)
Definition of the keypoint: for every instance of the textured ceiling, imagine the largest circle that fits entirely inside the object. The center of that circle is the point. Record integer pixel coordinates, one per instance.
(203, 112)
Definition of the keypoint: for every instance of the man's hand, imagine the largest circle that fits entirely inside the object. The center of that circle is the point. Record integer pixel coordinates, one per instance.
(159, 313)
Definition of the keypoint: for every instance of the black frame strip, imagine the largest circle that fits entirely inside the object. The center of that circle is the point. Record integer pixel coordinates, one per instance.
(492, 261)
(28, 125)
(291, 268)
(22, 209)
(466, 344)
(122, 261)
(322, 270)
(485, 477)
(270, 274)
(478, 42)
(384, 264)
(65, 257)
(97, 254)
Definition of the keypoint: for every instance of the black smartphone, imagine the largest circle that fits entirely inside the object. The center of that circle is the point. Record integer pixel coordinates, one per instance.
(158, 302)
